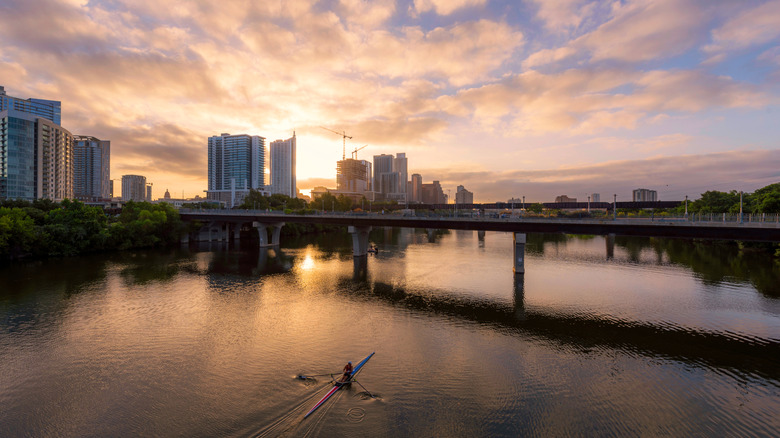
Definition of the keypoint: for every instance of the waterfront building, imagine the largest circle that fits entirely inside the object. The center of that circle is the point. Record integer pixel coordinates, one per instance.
(91, 169)
(433, 194)
(416, 189)
(134, 188)
(645, 195)
(36, 157)
(390, 177)
(236, 164)
(564, 198)
(48, 109)
(282, 157)
(463, 196)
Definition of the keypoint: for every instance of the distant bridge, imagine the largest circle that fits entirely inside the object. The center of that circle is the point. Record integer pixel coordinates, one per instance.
(219, 223)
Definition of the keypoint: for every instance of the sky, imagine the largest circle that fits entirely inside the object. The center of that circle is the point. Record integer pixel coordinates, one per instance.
(533, 98)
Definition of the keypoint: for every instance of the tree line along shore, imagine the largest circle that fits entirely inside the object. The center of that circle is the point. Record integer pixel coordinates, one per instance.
(45, 228)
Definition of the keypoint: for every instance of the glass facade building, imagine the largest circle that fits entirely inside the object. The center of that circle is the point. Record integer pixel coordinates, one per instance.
(282, 154)
(236, 164)
(36, 158)
(91, 168)
(48, 109)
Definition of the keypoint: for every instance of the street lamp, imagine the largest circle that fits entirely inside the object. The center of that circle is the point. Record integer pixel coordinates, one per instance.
(588, 203)
(614, 207)
(523, 202)
(686, 206)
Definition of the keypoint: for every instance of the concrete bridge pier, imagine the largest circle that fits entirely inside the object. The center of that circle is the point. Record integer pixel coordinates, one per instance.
(519, 253)
(431, 235)
(481, 235)
(359, 240)
(237, 231)
(262, 232)
(610, 246)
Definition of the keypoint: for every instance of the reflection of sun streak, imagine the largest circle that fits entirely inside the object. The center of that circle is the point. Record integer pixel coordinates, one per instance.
(308, 262)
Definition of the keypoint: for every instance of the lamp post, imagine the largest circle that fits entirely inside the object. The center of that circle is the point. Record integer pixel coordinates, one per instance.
(614, 207)
(686, 206)
(523, 202)
(588, 203)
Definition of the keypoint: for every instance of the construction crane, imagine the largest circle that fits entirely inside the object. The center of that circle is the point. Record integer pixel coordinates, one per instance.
(345, 137)
(354, 153)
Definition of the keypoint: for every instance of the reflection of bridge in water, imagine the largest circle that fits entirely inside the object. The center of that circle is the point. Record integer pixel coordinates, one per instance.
(220, 224)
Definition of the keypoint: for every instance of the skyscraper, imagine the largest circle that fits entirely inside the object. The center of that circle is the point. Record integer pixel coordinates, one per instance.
(390, 176)
(463, 196)
(283, 167)
(133, 188)
(91, 168)
(48, 109)
(36, 153)
(416, 192)
(641, 195)
(236, 164)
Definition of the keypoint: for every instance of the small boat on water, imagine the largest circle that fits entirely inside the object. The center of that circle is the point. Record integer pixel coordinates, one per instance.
(339, 385)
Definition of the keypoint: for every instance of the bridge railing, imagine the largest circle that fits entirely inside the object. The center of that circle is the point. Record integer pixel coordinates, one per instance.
(691, 219)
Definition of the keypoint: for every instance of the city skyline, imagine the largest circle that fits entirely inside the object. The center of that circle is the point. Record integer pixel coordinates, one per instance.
(508, 99)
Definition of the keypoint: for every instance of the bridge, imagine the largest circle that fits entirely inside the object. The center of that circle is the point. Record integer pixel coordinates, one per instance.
(219, 223)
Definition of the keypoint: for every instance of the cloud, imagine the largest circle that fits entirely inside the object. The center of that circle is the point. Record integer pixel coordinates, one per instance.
(560, 15)
(586, 101)
(445, 7)
(754, 26)
(548, 56)
(771, 56)
(645, 30)
(672, 177)
(459, 54)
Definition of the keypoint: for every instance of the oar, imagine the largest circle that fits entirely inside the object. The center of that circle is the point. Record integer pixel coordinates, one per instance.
(302, 377)
(361, 385)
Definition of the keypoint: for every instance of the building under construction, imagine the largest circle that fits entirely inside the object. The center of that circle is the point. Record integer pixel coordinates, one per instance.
(353, 176)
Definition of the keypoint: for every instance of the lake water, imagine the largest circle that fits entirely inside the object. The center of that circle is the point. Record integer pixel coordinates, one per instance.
(607, 337)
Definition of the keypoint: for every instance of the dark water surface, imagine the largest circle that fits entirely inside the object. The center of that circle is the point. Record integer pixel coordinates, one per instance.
(606, 337)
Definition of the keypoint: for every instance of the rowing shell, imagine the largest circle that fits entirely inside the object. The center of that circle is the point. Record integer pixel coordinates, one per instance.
(339, 385)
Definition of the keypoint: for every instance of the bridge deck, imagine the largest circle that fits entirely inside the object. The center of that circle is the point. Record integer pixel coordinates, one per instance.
(749, 231)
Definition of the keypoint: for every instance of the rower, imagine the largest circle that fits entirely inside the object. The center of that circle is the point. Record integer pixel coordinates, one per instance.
(347, 372)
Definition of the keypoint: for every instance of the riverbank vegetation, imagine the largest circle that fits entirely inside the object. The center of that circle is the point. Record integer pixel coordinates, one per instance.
(44, 228)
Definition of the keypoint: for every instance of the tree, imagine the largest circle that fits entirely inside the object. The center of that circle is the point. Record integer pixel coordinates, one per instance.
(17, 232)
(255, 201)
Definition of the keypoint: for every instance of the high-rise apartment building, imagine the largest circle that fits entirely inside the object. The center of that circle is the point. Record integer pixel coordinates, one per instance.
(416, 189)
(463, 196)
(282, 156)
(595, 197)
(91, 168)
(133, 188)
(644, 195)
(236, 164)
(48, 109)
(390, 177)
(400, 166)
(36, 153)
(564, 198)
(433, 194)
